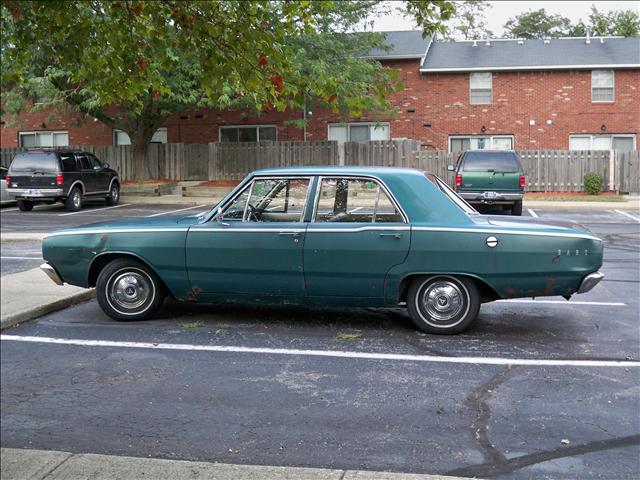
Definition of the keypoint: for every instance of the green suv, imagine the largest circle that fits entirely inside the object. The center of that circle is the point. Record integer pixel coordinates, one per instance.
(485, 177)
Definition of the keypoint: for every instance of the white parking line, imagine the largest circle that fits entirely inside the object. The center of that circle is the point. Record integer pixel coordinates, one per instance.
(532, 213)
(565, 302)
(628, 215)
(20, 258)
(175, 211)
(9, 210)
(93, 210)
(325, 353)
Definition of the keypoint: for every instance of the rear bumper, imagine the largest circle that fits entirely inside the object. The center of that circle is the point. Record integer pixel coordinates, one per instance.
(35, 193)
(589, 282)
(51, 273)
(480, 197)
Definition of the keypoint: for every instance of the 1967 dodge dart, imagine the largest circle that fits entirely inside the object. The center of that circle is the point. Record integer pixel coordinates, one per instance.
(332, 236)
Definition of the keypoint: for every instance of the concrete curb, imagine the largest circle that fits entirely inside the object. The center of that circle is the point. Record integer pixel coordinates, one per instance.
(50, 465)
(30, 294)
(22, 237)
(30, 313)
(168, 200)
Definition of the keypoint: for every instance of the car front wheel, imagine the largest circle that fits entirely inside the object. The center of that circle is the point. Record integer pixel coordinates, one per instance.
(25, 205)
(128, 290)
(114, 195)
(443, 304)
(73, 203)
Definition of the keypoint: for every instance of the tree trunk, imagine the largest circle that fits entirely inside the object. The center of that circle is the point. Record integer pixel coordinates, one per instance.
(144, 167)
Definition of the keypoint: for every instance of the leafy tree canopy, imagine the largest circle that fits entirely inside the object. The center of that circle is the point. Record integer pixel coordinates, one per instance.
(133, 63)
(537, 24)
(540, 24)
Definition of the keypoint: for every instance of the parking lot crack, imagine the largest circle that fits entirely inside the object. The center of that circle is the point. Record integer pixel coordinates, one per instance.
(478, 402)
(493, 469)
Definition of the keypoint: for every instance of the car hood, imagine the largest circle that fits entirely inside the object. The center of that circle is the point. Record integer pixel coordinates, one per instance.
(529, 223)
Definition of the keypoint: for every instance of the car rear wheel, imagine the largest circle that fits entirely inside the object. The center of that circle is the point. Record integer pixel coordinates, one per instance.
(25, 205)
(73, 203)
(443, 304)
(129, 290)
(517, 208)
(114, 194)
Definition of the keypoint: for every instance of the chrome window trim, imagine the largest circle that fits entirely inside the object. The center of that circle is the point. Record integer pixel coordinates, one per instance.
(355, 177)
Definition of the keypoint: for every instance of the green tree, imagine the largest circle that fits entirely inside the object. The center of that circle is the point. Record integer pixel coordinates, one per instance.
(133, 63)
(469, 23)
(537, 24)
(625, 23)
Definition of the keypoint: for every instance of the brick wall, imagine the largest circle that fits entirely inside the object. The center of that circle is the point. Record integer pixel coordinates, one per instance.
(558, 102)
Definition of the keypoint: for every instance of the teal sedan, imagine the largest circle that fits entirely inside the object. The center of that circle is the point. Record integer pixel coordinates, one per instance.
(341, 236)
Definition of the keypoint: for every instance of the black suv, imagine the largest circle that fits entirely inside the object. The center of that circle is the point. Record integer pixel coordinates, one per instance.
(68, 176)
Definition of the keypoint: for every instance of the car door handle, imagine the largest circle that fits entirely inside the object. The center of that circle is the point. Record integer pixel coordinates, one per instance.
(291, 234)
(394, 235)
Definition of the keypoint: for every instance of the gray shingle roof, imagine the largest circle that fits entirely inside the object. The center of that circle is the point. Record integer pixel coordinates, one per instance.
(559, 53)
(405, 44)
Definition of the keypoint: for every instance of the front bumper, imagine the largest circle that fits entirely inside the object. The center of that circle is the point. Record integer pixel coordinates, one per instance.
(481, 197)
(589, 282)
(51, 273)
(35, 193)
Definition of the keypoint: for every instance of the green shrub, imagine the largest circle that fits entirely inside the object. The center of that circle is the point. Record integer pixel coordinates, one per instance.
(592, 183)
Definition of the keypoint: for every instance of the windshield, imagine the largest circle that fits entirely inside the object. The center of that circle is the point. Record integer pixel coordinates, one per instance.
(490, 162)
(35, 162)
(453, 196)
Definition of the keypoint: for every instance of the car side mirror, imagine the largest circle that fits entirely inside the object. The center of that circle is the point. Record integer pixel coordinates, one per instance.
(105, 165)
(451, 168)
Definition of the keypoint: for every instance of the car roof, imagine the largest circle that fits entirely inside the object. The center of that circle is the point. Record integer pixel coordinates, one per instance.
(341, 170)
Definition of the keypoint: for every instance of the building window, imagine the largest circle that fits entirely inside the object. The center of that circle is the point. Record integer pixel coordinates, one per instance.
(602, 86)
(358, 132)
(44, 139)
(248, 133)
(480, 88)
(122, 138)
(622, 143)
(460, 143)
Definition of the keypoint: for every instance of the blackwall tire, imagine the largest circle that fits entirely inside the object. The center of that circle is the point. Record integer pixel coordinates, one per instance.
(73, 202)
(517, 209)
(25, 205)
(129, 290)
(443, 304)
(114, 195)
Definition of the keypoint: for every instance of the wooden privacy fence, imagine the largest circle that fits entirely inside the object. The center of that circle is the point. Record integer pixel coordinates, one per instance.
(546, 170)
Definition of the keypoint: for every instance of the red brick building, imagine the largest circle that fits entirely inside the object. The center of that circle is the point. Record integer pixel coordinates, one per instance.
(573, 93)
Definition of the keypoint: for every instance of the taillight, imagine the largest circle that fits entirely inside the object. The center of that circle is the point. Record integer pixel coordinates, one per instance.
(458, 180)
(522, 182)
(59, 179)
(8, 180)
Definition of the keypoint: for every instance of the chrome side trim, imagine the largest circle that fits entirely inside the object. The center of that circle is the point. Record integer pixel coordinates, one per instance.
(506, 232)
(589, 282)
(115, 230)
(299, 230)
(51, 273)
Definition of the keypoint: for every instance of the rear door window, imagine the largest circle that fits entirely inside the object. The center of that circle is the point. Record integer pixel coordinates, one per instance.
(354, 200)
(84, 162)
(35, 162)
(493, 161)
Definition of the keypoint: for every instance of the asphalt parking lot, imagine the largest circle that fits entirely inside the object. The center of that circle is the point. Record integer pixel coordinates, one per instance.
(532, 390)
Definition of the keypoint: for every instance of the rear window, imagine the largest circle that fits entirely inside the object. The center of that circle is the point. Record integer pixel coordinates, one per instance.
(488, 161)
(35, 162)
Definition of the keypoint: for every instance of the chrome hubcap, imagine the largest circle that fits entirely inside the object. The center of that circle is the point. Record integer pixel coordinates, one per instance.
(114, 193)
(130, 290)
(443, 300)
(76, 200)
